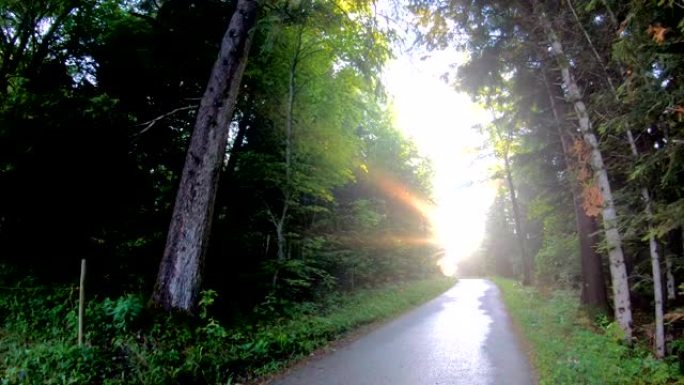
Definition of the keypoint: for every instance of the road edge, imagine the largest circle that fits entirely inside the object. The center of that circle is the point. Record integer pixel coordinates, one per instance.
(339, 343)
(522, 341)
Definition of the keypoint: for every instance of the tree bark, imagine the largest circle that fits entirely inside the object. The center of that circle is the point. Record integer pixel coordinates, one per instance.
(519, 227)
(675, 249)
(618, 271)
(289, 144)
(655, 263)
(593, 292)
(179, 277)
(657, 290)
(671, 292)
(646, 196)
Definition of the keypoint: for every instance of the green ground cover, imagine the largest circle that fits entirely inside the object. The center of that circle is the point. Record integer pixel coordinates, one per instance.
(567, 348)
(127, 344)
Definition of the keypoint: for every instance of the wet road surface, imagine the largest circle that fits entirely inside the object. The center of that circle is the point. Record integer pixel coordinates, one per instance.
(463, 337)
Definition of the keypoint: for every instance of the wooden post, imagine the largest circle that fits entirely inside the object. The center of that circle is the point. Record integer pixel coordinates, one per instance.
(81, 302)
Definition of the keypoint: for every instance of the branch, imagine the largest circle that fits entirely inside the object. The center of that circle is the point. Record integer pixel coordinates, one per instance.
(147, 18)
(150, 123)
(277, 223)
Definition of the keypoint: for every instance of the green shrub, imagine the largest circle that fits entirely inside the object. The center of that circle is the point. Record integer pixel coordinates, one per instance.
(123, 310)
(126, 346)
(53, 362)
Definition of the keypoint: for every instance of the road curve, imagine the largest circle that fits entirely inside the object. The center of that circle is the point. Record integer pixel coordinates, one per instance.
(463, 337)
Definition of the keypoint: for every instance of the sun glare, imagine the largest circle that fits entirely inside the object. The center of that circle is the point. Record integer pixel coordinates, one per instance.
(440, 121)
(394, 189)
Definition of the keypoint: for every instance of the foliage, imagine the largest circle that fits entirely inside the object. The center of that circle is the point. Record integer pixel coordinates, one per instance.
(557, 261)
(568, 349)
(126, 346)
(98, 101)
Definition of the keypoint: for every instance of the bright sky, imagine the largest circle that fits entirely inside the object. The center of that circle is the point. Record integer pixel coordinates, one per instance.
(441, 121)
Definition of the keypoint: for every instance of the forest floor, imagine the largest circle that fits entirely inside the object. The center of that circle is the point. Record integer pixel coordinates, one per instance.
(463, 337)
(126, 344)
(568, 348)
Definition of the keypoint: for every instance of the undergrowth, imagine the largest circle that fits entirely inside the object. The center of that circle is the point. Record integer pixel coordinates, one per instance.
(567, 349)
(127, 344)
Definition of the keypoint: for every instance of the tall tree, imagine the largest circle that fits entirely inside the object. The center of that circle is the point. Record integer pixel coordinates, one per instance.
(620, 284)
(179, 278)
(504, 40)
(502, 135)
(593, 292)
(645, 195)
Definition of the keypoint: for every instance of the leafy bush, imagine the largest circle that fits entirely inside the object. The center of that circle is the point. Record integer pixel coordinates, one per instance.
(123, 310)
(125, 344)
(53, 362)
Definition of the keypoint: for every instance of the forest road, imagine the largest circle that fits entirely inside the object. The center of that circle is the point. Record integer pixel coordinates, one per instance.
(463, 337)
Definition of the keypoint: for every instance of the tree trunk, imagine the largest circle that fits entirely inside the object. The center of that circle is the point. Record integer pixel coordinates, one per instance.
(26, 40)
(280, 243)
(676, 248)
(618, 271)
(671, 292)
(657, 293)
(179, 277)
(593, 292)
(527, 265)
(655, 263)
(289, 143)
(646, 196)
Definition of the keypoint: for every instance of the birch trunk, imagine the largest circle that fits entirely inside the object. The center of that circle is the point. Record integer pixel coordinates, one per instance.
(655, 264)
(593, 293)
(646, 196)
(657, 292)
(618, 271)
(179, 276)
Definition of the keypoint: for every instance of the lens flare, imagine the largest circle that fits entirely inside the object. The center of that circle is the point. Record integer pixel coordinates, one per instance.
(403, 194)
(440, 234)
(445, 226)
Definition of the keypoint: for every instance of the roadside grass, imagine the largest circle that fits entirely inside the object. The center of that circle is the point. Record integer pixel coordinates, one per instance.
(567, 350)
(126, 344)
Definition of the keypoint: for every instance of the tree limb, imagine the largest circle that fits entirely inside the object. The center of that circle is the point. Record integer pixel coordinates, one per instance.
(150, 123)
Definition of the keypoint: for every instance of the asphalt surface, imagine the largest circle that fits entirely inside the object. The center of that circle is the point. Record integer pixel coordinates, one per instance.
(463, 337)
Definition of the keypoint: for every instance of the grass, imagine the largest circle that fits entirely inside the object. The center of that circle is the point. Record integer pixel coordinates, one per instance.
(567, 348)
(126, 344)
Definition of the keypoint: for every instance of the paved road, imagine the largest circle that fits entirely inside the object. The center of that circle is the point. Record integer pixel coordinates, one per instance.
(463, 337)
